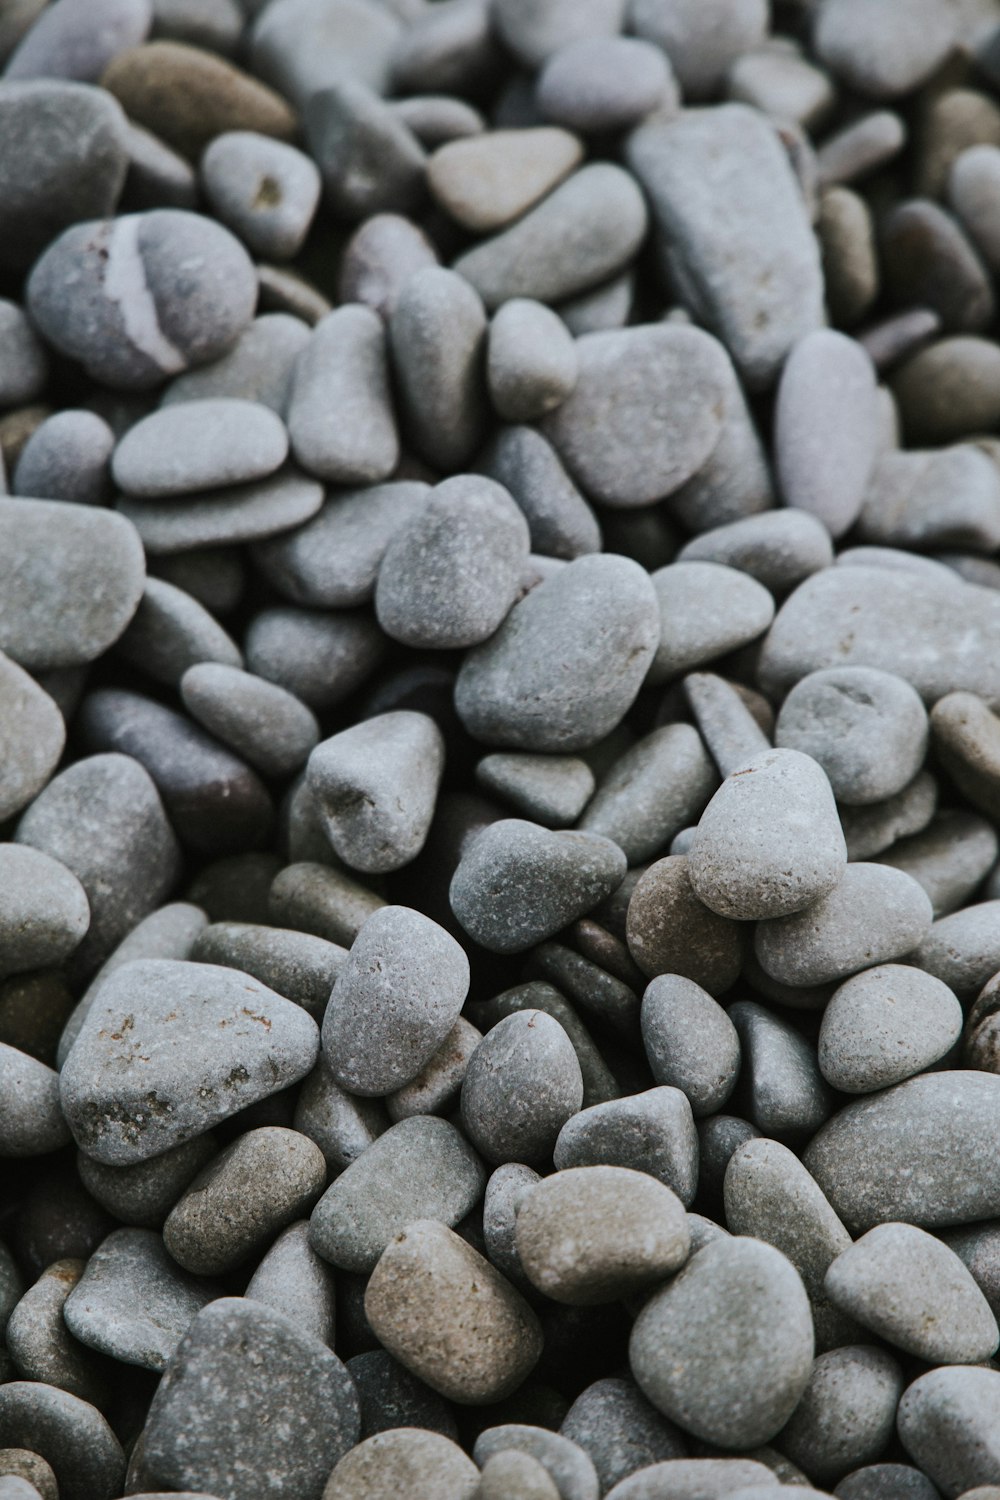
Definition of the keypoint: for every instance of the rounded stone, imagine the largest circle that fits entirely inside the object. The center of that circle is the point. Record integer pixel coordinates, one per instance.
(568, 1466)
(32, 1122)
(604, 83)
(44, 912)
(652, 1133)
(70, 1434)
(371, 162)
(510, 1473)
(66, 458)
(948, 1424)
(267, 726)
(384, 252)
(532, 361)
(706, 611)
(24, 365)
(701, 40)
(650, 793)
(561, 522)
(613, 1422)
(690, 1042)
(171, 631)
(883, 50)
(847, 1414)
(192, 446)
(404, 1461)
(784, 1086)
(670, 931)
(265, 191)
(340, 415)
(885, 1025)
(948, 390)
(886, 1482)
(522, 1084)
(142, 1195)
(549, 789)
(779, 548)
(437, 339)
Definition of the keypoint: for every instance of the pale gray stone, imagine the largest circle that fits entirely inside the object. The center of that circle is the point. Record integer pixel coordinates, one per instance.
(886, 1024)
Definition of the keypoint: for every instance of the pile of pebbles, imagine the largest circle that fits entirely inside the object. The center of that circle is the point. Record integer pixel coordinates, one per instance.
(499, 749)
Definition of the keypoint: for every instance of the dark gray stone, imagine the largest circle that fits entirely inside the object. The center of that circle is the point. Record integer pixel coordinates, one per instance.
(522, 1084)
(690, 1042)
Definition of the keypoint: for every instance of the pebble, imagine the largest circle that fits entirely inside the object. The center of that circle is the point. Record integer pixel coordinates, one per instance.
(725, 722)
(967, 740)
(66, 458)
(910, 1289)
(598, 1082)
(40, 1344)
(782, 84)
(80, 42)
(406, 1460)
(689, 168)
(962, 949)
(447, 51)
(437, 339)
(549, 789)
(692, 1479)
(568, 1465)
(328, 903)
(267, 726)
(652, 1132)
(449, 1317)
(534, 32)
(110, 294)
(779, 548)
(395, 1001)
(342, 1125)
(600, 84)
(598, 616)
(132, 1303)
(24, 365)
(257, 367)
(301, 45)
(204, 1429)
(199, 445)
(522, 1084)
(948, 390)
(532, 361)
(171, 631)
(511, 1475)
(215, 1041)
(391, 1397)
(947, 1423)
(656, 788)
(506, 1190)
(19, 1463)
(670, 931)
(614, 1423)
(419, 1168)
(930, 263)
(949, 858)
(44, 912)
(969, 192)
(561, 522)
(264, 190)
(239, 513)
(859, 149)
(886, 1482)
(382, 254)
(142, 1195)
(938, 497)
(71, 1435)
(486, 181)
(850, 259)
(780, 1073)
(584, 232)
(733, 1293)
(690, 1042)
(32, 1122)
(436, 119)
(847, 1414)
(340, 417)
(706, 611)
(883, 51)
(370, 161)
(825, 428)
(701, 41)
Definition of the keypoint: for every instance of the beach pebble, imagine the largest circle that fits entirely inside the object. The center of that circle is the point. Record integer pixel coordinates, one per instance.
(238, 513)
(299, 46)
(947, 1423)
(850, 259)
(936, 497)
(32, 1121)
(886, 1024)
(264, 190)
(369, 160)
(142, 1195)
(257, 367)
(439, 1081)
(533, 32)
(512, 1475)
(342, 1125)
(701, 41)
(725, 721)
(706, 611)
(506, 1190)
(656, 788)
(24, 365)
(882, 50)
(847, 1413)
(522, 1084)
(391, 1397)
(66, 458)
(779, 548)
(670, 931)
(405, 1460)
(80, 42)
(32, 1470)
(680, 1347)
(782, 1082)
(948, 390)
(966, 737)
(199, 445)
(44, 912)
(600, 84)
(262, 722)
(930, 263)
(171, 631)
(340, 417)
(886, 1482)
(568, 1465)
(560, 520)
(690, 1042)
(70, 1434)
(963, 949)
(782, 84)
(437, 339)
(488, 180)
(652, 1132)
(949, 857)
(326, 902)
(383, 252)
(614, 1423)
(549, 789)
(532, 361)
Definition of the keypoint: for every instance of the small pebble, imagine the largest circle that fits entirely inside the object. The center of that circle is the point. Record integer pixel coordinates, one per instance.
(886, 1024)
(532, 362)
(549, 789)
(782, 1081)
(670, 931)
(404, 1461)
(370, 161)
(947, 1422)
(265, 191)
(44, 912)
(706, 611)
(340, 418)
(437, 339)
(488, 180)
(522, 1084)
(568, 1465)
(690, 1042)
(66, 458)
(652, 1132)
(71, 1435)
(604, 83)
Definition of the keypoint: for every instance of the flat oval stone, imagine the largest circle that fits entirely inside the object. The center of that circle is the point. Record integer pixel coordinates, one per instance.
(487, 180)
(967, 740)
(385, 250)
(394, 1002)
(340, 415)
(450, 1318)
(199, 445)
(645, 413)
(419, 1168)
(559, 518)
(522, 1084)
(32, 1122)
(652, 1132)
(532, 360)
(779, 548)
(701, 41)
(404, 1461)
(735, 1294)
(204, 1042)
(769, 843)
(725, 721)
(66, 458)
(604, 83)
(581, 234)
(262, 722)
(80, 43)
(649, 794)
(948, 390)
(690, 1042)
(437, 338)
(598, 617)
(71, 578)
(873, 829)
(85, 1456)
(257, 367)
(44, 912)
(949, 857)
(706, 611)
(947, 1422)
(909, 1288)
(239, 513)
(917, 1152)
(549, 789)
(882, 50)
(265, 190)
(171, 631)
(670, 931)
(886, 1024)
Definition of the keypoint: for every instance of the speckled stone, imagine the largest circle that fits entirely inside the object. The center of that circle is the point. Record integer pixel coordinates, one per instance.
(437, 339)
(142, 1195)
(44, 912)
(886, 1024)
(404, 1461)
(614, 1423)
(265, 191)
(32, 1121)
(240, 513)
(70, 1434)
(784, 1087)
(549, 789)
(486, 181)
(532, 361)
(340, 415)
(561, 522)
(706, 611)
(779, 548)
(690, 1042)
(651, 1132)
(171, 631)
(257, 367)
(522, 1084)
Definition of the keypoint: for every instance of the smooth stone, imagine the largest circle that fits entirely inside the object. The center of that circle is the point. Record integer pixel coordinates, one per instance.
(265, 191)
(171, 631)
(549, 789)
(847, 1414)
(437, 1085)
(649, 794)
(437, 339)
(375, 787)
(645, 413)
(39, 1343)
(314, 898)
(80, 41)
(199, 445)
(449, 50)
(670, 931)
(103, 819)
(267, 726)
(261, 1182)
(825, 428)
(487, 180)
(533, 32)
(370, 161)
(883, 50)
(204, 1429)
(874, 915)
(782, 84)
(385, 250)
(518, 883)
(395, 1001)
(24, 364)
(157, 176)
(510, 1473)
(860, 149)
(297, 965)
(110, 293)
(44, 912)
(967, 741)
(690, 1042)
(32, 1122)
(532, 361)
(749, 265)
(887, 1482)
(963, 949)
(608, 998)
(976, 1247)
(66, 458)
(142, 1195)
(779, 548)
(652, 1132)
(216, 26)
(522, 1084)
(600, 84)
(940, 497)
(452, 571)
(404, 1461)
(419, 1168)
(725, 721)
(850, 260)
(598, 1081)
(342, 1125)
(735, 481)
(706, 611)
(239, 513)
(947, 1422)
(257, 367)
(340, 416)
(391, 1397)
(949, 857)
(917, 1152)
(886, 1024)
(701, 40)
(949, 390)
(598, 616)
(132, 1303)
(781, 1077)
(614, 1423)
(691, 1479)
(210, 1053)
(506, 1190)
(930, 263)
(910, 1289)
(734, 1294)
(67, 161)
(70, 581)
(564, 245)
(299, 46)
(568, 1465)
(560, 520)
(970, 187)
(20, 1463)
(70, 1434)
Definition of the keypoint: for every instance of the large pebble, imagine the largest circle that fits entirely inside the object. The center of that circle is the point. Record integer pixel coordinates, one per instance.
(371, 162)
(407, 1460)
(725, 1349)
(240, 513)
(532, 360)
(690, 1042)
(884, 1025)
(882, 49)
(560, 520)
(652, 1132)
(701, 39)
(437, 337)
(597, 84)
(340, 415)
(487, 180)
(31, 1122)
(203, 1042)
(70, 1434)
(199, 445)
(949, 1423)
(706, 611)
(847, 1414)
(670, 931)
(268, 727)
(522, 1084)
(293, 1281)
(44, 912)
(781, 1077)
(264, 190)
(779, 547)
(598, 616)
(963, 949)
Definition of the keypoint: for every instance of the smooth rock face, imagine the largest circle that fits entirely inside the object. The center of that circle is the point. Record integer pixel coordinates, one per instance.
(532, 361)
(725, 1349)
(371, 162)
(203, 1430)
(522, 1084)
(168, 1048)
(613, 1422)
(266, 191)
(785, 1089)
(549, 789)
(84, 1453)
(884, 1025)
(706, 611)
(199, 445)
(31, 1122)
(437, 338)
(670, 931)
(566, 1464)
(292, 1280)
(66, 458)
(847, 1414)
(652, 1132)
(560, 520)
(690, 1042)
(948, 1425)
(882, 50)
(769, 842)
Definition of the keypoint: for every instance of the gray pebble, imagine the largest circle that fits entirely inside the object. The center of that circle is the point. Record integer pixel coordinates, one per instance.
(933, 498)
(948, 1424)
(22, 1464)
(297, 965)
(522, 1084)
(780, 1072)
(385, 250)
(258, 367)
(436, 119)
(171, 631)
(569, 1465)
(32, 1121)
(549, 789)
(559, 518)
(735, 481)
(375, 787)
(44, 912)
(614, 1423)
(204, 1429)
(691, 1479)
(976, 1247)
(300, 45)
(342, 1125)
(725, 723)
(847, 1414)
(778, 548)
(929, 263)
(781, 83)
(512, 1475)
(321, 658)
(670, 931)
(199, 445)
(110, 294)
(216, 26)
(701, 40)
(395, 1000)
(370, 161)
(391, 1397)
(157, 176)
(651, 1132)
(652, 791)
(850, 261)
(706, 611)
(949, 858)
(13, 1487)
(70, 580)
(66, 458)
(533, 33)
(769, 843)
(239, 513)
(24, 365)
(826, 428)
(531, 361)
(605, 307)
(967, 739)
(312, 898)
(599, 617)
(40, 1344)
(883, 51)
(452, 571)
(963, 950)
(611, 1000)
(216, 1041)
(690, 1042)
(733, 1293)
(80, 41)
(949, 390)
(506, 1190)
(70, 1434)
(405, 1460)
(263, 723)
(340, 416)
(264, 190)
(439, 1081)
(582, 233)
(970, 195)
(132, 1302)
(859, 149)
(918, 1152)
(142, 1195)
(437, 337)
(600, 84)
(420, 1168)
(910, 1289)
(884, 1025)
(875, 914)
(518, 883)
(749, 264)
(886, 1482)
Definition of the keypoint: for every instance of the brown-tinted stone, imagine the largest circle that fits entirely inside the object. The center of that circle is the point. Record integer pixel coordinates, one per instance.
(671, 932)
